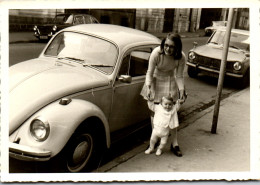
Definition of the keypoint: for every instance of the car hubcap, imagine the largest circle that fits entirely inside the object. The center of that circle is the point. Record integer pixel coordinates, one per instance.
(81, 154)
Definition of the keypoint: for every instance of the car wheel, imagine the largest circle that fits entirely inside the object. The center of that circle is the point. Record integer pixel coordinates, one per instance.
(80, 152)
(208, 33)
(244, 82)
(192, 72)
(83, 152)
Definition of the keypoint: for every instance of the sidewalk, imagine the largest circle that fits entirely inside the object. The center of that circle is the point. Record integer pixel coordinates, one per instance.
(21, 37)
(226, 151)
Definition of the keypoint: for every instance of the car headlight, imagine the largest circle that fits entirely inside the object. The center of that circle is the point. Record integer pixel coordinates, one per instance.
(192, 55)
(237, 66)
(54, 28)
(35, 28)
(40, 129)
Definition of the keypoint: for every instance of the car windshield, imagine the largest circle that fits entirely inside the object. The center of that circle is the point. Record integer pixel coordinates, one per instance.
(63, 19)
(84, 49)
(237, 40)
(219, 23)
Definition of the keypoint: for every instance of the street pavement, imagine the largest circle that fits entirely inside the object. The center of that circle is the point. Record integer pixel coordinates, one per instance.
(226, 151)
(229, 150)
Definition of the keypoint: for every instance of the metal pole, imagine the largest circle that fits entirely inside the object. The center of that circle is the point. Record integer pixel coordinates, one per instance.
(222, 71)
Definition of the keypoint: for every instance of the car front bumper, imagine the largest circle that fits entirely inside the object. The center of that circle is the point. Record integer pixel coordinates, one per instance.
(27, 153)
(208, 70)
(43, 36)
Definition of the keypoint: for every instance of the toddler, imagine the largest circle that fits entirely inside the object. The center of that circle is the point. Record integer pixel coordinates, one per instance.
(165, 118)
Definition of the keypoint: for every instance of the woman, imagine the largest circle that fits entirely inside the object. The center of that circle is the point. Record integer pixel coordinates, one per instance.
(165, 77)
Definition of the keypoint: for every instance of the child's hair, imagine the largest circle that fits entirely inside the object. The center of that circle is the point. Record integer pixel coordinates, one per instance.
(168, 98)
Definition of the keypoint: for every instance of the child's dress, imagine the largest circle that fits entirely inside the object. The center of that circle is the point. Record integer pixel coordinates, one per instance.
(164, 120)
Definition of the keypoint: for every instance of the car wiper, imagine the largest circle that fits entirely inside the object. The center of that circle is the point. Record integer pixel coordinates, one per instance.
(215, 43)
(71, 58)
(97, 65)
(231, 46)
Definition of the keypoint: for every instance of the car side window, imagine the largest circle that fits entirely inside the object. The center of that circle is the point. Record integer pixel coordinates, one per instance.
(135, 63)
(88, 20)
(79, 20)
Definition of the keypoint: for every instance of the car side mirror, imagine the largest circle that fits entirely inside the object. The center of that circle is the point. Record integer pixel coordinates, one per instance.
(125, 78)
(195, 44)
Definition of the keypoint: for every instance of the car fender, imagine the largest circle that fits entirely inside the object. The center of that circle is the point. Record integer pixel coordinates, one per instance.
(63, 121)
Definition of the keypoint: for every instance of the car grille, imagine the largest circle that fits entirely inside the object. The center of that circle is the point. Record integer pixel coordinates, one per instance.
(213, 63)
(45, 30)
(209, 62)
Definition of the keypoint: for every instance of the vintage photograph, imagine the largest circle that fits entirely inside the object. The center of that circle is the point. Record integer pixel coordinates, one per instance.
(130, 93)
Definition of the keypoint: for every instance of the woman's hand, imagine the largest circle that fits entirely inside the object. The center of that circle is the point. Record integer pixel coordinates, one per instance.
(183, 96)
(149, 93)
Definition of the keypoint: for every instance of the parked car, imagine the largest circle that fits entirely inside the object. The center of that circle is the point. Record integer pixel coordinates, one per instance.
(214, 26)
(207, 58)
(61, 21)
(81, 94)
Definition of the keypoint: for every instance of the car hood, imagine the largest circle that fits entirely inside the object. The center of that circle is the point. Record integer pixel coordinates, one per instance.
(46, 25)
(215, 51)
(35, 83)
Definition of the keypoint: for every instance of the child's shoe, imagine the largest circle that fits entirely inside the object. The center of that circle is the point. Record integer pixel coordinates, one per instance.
(158, 152)
(148, 151)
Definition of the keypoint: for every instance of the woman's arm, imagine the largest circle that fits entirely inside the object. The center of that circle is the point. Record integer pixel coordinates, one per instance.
(151, 66)
(180, 75)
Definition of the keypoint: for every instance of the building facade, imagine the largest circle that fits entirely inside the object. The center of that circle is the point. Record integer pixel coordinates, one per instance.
(146, 19)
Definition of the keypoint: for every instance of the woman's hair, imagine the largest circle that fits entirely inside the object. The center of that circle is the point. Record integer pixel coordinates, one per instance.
(175, 37)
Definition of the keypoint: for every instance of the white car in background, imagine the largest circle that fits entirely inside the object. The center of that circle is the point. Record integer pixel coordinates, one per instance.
(79, 96)
(207, 58)
(215, 25)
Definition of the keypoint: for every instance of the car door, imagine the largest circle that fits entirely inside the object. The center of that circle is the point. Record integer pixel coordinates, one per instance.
(129, 107)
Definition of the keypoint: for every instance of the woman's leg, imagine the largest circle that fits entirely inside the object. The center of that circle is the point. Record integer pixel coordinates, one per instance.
(174, 137)
(174, 145)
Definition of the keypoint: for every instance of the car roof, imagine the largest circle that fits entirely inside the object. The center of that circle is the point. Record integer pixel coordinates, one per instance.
(121, 35)
(244, 32)
(74, 14)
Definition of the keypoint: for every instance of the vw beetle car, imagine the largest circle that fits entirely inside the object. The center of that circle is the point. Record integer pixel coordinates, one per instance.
(215, 25)
(207, 58)
(61, 21)
(81, 94)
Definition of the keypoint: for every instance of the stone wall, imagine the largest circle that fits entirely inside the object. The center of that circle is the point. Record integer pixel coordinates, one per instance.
(150, 20)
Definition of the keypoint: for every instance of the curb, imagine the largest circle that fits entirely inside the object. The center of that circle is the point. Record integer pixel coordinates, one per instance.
(187, 120)
(24, 41)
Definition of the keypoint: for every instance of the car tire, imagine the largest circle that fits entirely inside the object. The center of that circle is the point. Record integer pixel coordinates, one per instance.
(84, 150)
(192, 72)
(82, 153)
(245, 81)
(208, 33)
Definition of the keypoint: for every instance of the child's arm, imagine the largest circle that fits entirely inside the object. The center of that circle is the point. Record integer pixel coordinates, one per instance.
(151, 105)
